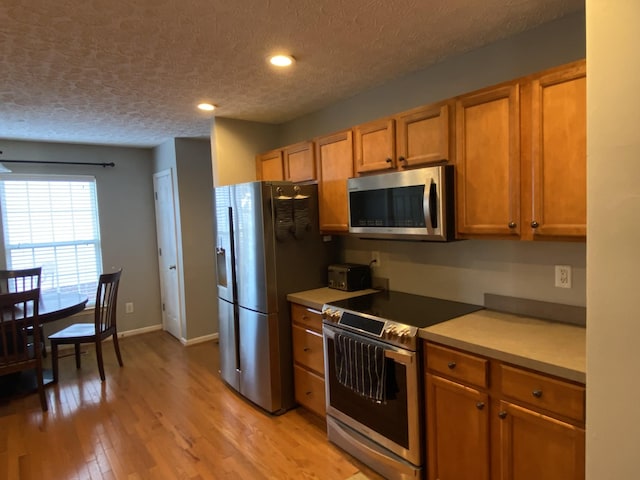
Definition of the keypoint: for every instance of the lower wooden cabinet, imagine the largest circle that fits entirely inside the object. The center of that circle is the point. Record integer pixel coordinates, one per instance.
(487, 420)
(308, 358)
(457, 431)
(534, 446)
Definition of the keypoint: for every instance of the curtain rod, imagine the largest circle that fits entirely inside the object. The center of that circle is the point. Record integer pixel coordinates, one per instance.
(110, 164)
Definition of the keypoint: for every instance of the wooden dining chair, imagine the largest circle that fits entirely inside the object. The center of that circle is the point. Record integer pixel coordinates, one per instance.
(104, 326)
(19, 311)
(20, 281)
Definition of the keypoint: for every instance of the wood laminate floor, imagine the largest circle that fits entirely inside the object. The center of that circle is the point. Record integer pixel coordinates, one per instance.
(165, 415)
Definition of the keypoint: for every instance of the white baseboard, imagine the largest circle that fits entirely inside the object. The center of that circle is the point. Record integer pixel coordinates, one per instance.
(138, 331)
(204, 338)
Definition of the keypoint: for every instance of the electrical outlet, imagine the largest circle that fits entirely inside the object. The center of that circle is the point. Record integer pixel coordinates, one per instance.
(563, 276)
(128, 307)
(375, 259)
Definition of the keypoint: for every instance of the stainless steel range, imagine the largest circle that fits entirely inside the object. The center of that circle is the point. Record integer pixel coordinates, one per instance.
(373, 367)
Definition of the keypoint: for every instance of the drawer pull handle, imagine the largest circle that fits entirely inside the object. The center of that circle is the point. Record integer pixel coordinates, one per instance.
(480, 405)
(502, 414)
(451, 365)
(306, 349)
(537, 393)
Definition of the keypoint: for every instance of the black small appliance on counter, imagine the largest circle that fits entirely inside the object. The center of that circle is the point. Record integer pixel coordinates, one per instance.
(349, 276)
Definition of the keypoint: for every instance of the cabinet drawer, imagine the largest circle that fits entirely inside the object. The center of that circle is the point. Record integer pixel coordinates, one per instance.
(307, 317)
(457, 365)
(546, 393)
(307, 349)
(309, 390)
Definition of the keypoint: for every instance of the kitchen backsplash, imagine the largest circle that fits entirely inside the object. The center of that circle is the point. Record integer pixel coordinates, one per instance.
(467, 269)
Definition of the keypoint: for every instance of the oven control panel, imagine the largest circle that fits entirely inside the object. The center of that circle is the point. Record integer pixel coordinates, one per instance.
(385, 330)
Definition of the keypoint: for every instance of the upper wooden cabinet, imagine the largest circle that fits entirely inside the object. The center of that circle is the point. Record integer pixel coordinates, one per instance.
(558, 154)
(375, 145)
(269, 166)
(414, 138)
(521, 158)
(334, 155)
(295, 163)
(299, 162)
(488, 161)
(422, 135)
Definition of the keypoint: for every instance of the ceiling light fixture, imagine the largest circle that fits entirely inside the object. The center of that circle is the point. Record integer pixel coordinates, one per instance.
(207, 107)
(282, 60)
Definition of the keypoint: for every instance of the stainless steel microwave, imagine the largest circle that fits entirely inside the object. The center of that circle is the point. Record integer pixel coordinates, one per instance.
(407, 205)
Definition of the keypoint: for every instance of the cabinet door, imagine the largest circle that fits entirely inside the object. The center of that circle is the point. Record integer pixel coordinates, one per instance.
(457, 431)
(309, 390)
(488, 162)
(535, 447)
(299, 162)
(558, 152)
(335, 166)
(307, 349)
(375, 146)
(269, 166)
(422, 136)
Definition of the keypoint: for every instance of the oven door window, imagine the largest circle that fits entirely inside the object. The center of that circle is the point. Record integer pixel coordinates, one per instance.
(398, 207)
(389, 419)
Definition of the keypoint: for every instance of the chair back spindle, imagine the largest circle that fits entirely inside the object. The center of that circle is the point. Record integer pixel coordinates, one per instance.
(107, 301)
(12, 281)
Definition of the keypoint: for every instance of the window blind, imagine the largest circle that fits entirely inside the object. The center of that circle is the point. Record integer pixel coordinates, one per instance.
(52, 221)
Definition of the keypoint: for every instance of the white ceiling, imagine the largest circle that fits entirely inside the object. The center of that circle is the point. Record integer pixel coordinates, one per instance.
(130, 72)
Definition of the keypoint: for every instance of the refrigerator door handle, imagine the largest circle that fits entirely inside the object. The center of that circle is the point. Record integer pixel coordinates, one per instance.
(234, 289)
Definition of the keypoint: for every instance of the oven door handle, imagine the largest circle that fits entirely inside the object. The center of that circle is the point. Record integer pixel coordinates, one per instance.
(399, 357)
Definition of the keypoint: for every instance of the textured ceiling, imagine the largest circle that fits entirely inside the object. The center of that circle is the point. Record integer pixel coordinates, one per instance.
(130, 72)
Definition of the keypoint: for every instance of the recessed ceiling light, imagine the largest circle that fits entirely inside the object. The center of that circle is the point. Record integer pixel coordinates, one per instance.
(207, 107)
(281, 60)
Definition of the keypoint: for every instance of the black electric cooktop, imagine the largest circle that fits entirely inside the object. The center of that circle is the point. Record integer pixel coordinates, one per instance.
(406, 308)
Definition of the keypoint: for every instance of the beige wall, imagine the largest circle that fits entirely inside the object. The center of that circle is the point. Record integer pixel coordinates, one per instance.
(234, 144)
(197, 249)
(126, 210)
(613, 261)
(190, 163)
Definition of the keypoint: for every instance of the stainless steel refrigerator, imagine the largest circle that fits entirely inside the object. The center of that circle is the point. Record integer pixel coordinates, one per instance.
(268, 245)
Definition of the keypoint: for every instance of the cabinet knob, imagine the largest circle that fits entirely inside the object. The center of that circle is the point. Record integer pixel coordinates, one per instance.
(480, 405)
(534, 224)
(306, 349)
(502, 414)
(512, 225)
(388, 160)
(451, 365)
(402, 159)
(537, 393)
(308, 393)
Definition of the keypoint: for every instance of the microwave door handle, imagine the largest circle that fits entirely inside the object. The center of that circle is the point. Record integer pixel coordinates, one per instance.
(429, 206)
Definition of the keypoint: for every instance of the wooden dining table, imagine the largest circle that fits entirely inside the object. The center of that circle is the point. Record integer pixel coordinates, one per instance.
(55, 306)
(51, 307)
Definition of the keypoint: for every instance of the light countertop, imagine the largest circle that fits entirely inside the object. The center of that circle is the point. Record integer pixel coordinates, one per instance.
(549, 347)
(317, 297)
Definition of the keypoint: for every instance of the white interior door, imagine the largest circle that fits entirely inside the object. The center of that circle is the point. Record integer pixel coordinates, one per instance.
(167, 252)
